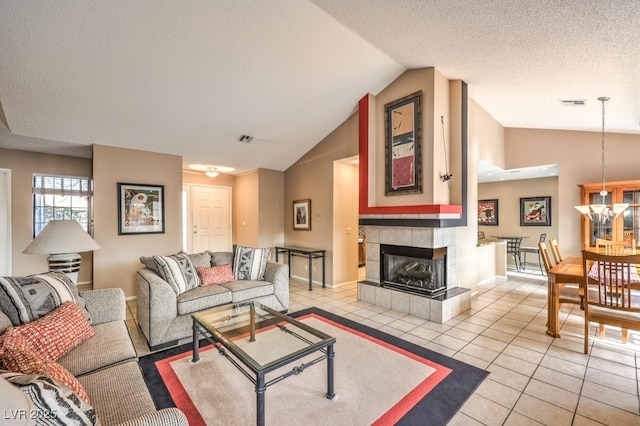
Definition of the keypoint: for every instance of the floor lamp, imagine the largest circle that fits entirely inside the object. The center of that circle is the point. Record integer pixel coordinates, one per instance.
(63, 240)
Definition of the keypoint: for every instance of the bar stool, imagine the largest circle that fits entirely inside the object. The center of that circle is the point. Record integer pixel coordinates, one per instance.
(536, 250)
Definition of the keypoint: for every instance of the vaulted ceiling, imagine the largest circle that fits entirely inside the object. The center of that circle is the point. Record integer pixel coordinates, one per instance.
(190, 77)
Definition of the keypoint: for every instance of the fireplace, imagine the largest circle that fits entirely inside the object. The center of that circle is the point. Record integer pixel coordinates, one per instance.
(414, 269)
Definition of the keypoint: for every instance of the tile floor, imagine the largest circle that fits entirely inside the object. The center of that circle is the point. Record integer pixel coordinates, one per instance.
(534, 380)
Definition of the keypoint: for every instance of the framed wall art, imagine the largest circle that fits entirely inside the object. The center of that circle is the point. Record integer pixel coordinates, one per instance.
(488, 212)
(302, 215)
(403, 163)
(535, 211)
(140, 209)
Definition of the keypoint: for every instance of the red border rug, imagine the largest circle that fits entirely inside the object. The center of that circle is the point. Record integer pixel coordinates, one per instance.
(433, 401)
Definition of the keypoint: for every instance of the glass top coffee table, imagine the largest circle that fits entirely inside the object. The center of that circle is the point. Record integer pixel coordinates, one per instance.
(258, 340)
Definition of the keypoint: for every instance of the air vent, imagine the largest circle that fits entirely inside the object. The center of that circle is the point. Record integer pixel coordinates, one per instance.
(245, 138)
(572, 102)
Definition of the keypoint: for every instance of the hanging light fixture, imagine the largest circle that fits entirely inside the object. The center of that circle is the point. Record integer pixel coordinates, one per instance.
(601, 212)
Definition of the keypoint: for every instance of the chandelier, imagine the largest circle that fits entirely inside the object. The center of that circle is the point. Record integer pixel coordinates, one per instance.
(601, 212)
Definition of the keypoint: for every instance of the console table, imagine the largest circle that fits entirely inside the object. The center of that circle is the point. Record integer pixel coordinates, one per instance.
(309, 254)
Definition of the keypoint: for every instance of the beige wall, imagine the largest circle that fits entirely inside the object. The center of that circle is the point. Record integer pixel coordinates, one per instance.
(345, 222)
(485, 139)
(246, 224)
(23, 165)
(508, 194)
(116, 263)
(199, 178)
(271, 208)
(312, 177)
(579, 160)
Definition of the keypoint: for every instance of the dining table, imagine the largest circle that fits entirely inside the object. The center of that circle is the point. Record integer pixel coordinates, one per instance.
(568, 271)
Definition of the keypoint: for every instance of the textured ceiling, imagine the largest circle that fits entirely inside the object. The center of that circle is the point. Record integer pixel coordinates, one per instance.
(188, 78)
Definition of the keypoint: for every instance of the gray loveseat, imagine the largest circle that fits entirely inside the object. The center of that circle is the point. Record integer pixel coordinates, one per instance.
(106, 365)
(165, 317)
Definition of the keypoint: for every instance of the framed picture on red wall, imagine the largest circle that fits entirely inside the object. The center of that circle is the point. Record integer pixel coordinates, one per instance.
(403, 164)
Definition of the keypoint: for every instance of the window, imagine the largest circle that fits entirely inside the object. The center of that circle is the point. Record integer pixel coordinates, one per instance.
(61, 198)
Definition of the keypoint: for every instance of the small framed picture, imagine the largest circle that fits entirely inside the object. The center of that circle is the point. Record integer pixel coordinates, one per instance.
(140, 209)
(488, 212)
(535, 211)
(302, 215)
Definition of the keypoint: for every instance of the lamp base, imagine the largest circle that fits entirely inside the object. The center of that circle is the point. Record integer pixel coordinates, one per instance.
(69, 263)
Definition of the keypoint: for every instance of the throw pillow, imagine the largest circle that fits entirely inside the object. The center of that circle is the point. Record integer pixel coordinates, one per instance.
(200, 260)
(250, 263)
(215, 275)
(56, 333)
(222, 257)
(17, 357)
(25, 299)
(55, 403)
(150, 263)
(178, 271)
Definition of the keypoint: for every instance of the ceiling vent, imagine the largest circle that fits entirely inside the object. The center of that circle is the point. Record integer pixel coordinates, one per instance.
(245, 138)
(572, 102)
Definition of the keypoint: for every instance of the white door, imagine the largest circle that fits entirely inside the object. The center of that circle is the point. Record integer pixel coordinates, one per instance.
(210, 218)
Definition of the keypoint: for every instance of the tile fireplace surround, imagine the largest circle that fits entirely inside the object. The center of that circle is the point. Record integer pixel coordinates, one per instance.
(438, 309)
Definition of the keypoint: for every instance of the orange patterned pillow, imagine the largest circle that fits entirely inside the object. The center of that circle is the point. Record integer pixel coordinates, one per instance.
(17, 357)
(56, 333)
(220, 274)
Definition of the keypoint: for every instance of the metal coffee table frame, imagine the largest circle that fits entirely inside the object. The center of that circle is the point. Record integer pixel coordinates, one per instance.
(257, 321)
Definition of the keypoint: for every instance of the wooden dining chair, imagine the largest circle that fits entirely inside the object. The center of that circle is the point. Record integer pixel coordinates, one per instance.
(616, 299)
(615, 247)
(555, 251)
(567, 292)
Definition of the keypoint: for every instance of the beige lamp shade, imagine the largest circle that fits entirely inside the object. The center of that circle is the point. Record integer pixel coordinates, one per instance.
(63, 240)
(62, 236)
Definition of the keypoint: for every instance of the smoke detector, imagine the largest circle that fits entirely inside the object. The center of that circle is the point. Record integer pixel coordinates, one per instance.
(572, 102)
(245, 138)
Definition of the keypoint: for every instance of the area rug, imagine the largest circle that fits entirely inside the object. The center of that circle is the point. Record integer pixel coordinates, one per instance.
(379, 379)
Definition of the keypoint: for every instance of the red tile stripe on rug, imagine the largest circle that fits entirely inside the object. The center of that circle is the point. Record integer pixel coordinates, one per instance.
(392, 416)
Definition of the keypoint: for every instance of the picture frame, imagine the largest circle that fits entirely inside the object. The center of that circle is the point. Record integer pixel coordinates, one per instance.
(403, 143)
(535, 211)
(488, 212)
(140, 209)
(302, 215)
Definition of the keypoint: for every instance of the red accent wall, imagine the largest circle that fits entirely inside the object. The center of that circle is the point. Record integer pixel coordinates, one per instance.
(363, 125)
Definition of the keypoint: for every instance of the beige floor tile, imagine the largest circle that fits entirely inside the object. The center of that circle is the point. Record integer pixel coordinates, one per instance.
(564, 381)
(520, 352)
(516, 364)
(480, 352)
(489, 343)
(563, 366)
(605, 414)
(450, 342)
(471, 360)
(543, 412)
(499, 393)
(461, 334)
(552, 394)
(517, 419)
(484, 410)
(508, 377)
(613, 397)
(623, 384)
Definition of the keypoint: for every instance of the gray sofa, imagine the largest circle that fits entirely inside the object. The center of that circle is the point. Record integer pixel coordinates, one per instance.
(107, 367)
(165, 317)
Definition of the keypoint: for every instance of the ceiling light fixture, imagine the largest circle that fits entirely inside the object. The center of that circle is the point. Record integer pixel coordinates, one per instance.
(211, 172)
(601, 213)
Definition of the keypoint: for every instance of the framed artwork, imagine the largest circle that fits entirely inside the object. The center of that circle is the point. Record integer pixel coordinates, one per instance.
(140, 209)
(488, 212)
(302, 215)
(403, 140)
(535, 211)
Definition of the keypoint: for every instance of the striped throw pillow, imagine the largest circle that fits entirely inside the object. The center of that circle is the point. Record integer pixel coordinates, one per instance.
(250, 263)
